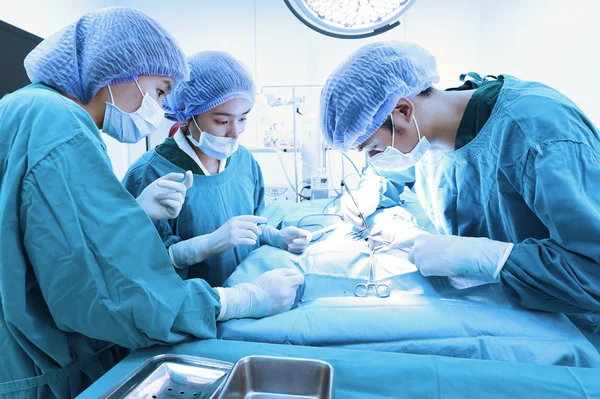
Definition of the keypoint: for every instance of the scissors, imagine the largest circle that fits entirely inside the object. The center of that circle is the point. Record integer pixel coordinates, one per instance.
(362, 289)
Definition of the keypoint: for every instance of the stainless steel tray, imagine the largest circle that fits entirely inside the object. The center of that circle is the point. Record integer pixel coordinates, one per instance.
(268, 377)
(173, 376)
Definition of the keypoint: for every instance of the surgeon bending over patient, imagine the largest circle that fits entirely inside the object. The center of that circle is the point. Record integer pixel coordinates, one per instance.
(508, 171)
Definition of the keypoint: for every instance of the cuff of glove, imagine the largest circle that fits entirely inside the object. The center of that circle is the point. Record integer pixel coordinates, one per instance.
(223, 299)
(243, 300)
(503, 259)
(173, 258)
(189, 252)
(270, 236)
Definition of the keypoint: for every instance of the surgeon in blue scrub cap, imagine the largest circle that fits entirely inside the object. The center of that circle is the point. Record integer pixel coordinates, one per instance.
(84, 278)
(219, 223)
(507, 170)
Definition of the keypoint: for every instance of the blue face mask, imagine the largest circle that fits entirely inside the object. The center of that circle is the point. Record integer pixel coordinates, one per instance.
(132, 127)
(217, 147)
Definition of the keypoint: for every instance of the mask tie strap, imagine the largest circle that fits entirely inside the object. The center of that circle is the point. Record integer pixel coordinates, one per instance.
(199, 131)
(197, 127)
(112, 100)
(139, 88)
(393, 132)
(417, 126)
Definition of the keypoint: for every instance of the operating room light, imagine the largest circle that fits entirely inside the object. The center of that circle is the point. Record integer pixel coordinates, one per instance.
(351, 19)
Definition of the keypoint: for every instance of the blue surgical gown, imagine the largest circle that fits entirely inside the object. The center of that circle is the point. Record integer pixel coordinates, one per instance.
(531, 176)
(209, 203)
(84, 277)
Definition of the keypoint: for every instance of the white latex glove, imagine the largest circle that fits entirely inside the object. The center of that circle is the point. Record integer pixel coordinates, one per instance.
(289, 238)
(367, 199)
(270, 293)
(444, 255)
(165, 196)
(239, 230)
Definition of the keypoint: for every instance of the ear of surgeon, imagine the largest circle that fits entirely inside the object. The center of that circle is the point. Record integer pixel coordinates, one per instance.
(400, 131)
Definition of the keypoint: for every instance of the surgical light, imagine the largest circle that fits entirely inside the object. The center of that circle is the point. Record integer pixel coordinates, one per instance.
(349, 19)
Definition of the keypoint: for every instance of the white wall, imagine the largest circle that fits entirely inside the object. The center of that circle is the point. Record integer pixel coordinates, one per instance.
(552, 41)
(450, 30)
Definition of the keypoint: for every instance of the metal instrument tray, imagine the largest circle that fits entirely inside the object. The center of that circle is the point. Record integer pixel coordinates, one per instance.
(268, 377)
(173, 376)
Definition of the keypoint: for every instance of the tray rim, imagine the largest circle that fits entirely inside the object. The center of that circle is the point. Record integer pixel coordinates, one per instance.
(161, 359)
(323, 363)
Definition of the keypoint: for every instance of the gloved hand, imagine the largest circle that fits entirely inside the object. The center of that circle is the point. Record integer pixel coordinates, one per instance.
(367, 199)
(289, 238)
(165, 196)
(239, 230)
(443, 255)
(270, 293)
(395, 235)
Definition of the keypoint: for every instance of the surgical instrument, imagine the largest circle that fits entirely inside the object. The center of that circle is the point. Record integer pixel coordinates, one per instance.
(362, 289)
(327, 229)
(360, 214)
(362, 233)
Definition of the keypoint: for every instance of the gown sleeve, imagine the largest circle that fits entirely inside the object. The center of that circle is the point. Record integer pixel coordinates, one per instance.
(560, 273)
(138, 177)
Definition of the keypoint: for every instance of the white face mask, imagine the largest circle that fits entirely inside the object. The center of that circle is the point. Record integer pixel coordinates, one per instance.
(217, 147)
(132, 127)
(392, 160)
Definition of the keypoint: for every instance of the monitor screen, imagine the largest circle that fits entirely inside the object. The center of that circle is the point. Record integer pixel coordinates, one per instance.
(15, 44)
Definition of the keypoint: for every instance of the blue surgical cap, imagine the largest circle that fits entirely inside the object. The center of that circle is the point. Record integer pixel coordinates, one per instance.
(215, 78)
(109, 46)
(362, 92)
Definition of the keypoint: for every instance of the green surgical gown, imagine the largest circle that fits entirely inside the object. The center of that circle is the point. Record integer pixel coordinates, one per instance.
(84, 276)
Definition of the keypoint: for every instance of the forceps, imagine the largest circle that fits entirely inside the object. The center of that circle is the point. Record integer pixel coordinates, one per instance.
(362, 289)
(375, 241)
(361, 234)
